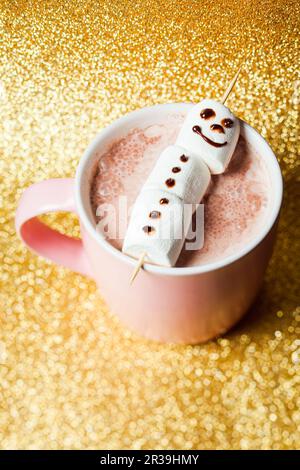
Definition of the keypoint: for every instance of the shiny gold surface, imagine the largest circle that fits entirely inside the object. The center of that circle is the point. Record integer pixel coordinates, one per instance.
(71, 375)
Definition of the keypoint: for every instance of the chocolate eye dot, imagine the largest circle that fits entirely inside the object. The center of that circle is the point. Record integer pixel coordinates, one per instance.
(164, 200)
(170, 182)
(207, 113)
(154, 215)
(148, 229)
(184, 158)
(176, 169)
(227, 123)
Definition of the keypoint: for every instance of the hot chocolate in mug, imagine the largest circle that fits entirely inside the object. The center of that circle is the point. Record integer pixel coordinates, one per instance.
(178, 304)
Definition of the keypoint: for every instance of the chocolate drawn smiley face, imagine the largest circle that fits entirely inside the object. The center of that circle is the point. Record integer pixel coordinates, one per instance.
(208, 114)
(197, 130)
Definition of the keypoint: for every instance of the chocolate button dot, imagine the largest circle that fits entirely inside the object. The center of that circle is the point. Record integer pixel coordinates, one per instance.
(170, 182)
(164, 200)
(154, 214)
(176, 169)
(148, 229)
(184, 158)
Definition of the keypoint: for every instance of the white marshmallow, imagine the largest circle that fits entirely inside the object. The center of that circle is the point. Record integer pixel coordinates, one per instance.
(163, 243)
(200, 135)
(191, 177)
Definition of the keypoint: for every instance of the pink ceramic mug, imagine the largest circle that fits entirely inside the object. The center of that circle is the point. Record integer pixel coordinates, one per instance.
(183, 305)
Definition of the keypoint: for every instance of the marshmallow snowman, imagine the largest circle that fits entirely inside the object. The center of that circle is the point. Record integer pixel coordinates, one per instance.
(210, 132)
(205, 145)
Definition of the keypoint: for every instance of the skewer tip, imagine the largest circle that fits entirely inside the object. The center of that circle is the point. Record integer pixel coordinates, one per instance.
(230, 86)
(138, 267)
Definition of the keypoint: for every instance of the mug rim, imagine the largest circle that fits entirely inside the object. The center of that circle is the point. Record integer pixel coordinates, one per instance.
(177, 271)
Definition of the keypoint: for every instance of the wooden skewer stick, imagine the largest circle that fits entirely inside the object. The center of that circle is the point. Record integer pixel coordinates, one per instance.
(143, 255)
(138, 266)
(230, 87)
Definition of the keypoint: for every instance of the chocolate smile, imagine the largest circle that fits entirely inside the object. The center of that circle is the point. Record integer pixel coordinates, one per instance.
(197, 130)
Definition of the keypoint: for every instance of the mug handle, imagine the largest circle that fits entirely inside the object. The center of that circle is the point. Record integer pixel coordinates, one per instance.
(50, 196)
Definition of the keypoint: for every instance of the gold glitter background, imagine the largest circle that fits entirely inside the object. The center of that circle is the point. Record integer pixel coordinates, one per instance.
(71, 375)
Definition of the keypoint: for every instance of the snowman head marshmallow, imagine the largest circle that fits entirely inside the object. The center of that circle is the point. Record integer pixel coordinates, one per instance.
(210, 132)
